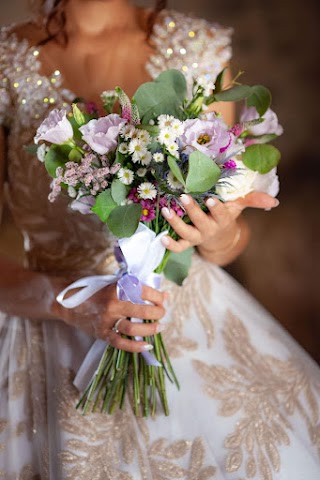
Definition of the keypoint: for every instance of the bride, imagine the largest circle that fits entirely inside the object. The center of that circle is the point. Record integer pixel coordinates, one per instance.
(248, 407)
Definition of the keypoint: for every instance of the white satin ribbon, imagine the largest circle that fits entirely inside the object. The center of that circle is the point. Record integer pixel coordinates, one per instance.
(143, 253)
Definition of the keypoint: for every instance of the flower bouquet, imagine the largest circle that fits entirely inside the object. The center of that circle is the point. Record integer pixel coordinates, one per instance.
(125, 168)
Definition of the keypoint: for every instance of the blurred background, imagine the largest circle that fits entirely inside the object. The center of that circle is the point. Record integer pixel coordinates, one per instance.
(276, 43)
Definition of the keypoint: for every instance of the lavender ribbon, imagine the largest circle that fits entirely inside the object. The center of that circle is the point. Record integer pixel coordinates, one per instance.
(138, 257)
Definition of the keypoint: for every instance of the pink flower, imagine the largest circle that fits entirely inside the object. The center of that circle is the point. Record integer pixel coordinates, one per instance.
(102, 134)
(209, 135)
(148, 211)
(134, 195)
(56, 128)
(230, 164)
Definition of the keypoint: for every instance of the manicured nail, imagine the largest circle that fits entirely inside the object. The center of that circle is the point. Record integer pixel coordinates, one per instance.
(185, 199)
(276, 202)
(147, 347)
(211, 202)
(165, 241)
(166, 212)
(160, 327)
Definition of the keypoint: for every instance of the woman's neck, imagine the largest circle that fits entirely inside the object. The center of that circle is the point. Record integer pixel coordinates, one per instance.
(93, 18)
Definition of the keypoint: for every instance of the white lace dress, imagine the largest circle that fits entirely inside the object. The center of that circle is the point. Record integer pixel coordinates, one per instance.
(249, 403)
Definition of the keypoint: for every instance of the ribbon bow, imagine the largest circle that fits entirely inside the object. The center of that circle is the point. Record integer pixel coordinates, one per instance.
(138, 256)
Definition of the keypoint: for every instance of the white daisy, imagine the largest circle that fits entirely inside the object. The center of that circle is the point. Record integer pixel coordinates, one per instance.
(145, 158)
(141, 172)
(177, 127)
(127, 131)
(165, 121)
(137, 156)
(173, 149)
(125, 176)
(158, 157)
(136, 145)
(166, 136)
(123, 148)
(173, 182)
(144, 136)
(147, 190)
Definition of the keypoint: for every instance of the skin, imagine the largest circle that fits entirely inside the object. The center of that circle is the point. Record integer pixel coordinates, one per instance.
(89, 68)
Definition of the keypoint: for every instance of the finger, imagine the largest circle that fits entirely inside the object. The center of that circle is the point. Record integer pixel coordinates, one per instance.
(143, 311)
(151, 295)
(254, 200)
(140, 329)
(197, 216)
(121, 343)
(185, 231)
(219, 212)
(176, 246)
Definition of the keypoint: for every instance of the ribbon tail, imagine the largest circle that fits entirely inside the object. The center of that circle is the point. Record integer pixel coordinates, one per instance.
(89, 365)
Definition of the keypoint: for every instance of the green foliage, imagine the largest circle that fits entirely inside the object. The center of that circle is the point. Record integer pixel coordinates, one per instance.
(104, 205)
(178, 265)
(174, 167)
(75, 155)
(56, 157)
(123, 221)
(261, 158)
(220, 80)
(260, 99)
(165, 94)
(203, 173)
(234, 94)
(78, 115)
(119, 191)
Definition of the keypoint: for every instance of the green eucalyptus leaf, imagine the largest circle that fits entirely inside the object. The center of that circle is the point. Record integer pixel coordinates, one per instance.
(119, 191)
(123, 221)
(261, 158)
(178, 265)
(56, 156)
(203, 173)
(268, 137)
(260, 99)
(220, 80)
(174, 167)
(165, 94)
(234, 94)
(104, 205)
(75, 155)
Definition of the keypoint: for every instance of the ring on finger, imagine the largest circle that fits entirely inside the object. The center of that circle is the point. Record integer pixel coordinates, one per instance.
(115, 327)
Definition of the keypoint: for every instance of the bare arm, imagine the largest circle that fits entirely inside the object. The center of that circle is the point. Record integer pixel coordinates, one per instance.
(32, 295)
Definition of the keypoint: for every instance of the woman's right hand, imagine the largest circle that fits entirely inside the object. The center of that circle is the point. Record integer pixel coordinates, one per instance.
(98, 315)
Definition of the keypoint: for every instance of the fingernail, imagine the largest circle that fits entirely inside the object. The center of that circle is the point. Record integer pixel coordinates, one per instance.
(160, 327)
(166, 295)
(185, 199)
(211, 202)
(166, 212)
(165, 241)
(276, 202)
(147, 347)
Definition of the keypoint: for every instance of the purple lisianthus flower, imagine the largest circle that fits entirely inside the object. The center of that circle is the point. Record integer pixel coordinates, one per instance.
(208, 134)
(101, 135)
(56, 128)
(269, 125)
(83, 204)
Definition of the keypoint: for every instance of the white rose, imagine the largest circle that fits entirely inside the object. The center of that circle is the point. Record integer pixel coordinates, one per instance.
(56, 128)
(267, 183)
(237, 185)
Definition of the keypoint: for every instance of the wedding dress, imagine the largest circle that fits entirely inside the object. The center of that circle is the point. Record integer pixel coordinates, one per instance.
(248, 407)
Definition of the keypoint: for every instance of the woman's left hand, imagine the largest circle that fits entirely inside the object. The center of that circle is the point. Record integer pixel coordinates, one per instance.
(215, 230)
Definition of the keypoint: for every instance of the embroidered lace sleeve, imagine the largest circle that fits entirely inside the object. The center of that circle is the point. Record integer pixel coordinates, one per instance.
(5, 97)
(192, 45)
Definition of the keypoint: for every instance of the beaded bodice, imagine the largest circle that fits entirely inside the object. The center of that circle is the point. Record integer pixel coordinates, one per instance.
(58, 239)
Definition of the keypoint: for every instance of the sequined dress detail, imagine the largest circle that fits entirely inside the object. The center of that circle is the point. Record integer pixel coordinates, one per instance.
(249, 401)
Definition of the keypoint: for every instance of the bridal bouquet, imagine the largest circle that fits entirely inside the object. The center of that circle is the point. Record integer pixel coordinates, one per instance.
(124, 168)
